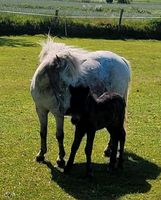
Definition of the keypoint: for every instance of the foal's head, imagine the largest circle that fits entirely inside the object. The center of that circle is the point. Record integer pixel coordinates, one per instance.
(78, 102)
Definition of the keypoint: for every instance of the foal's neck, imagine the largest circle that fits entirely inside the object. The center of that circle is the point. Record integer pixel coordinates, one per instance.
(91, 103)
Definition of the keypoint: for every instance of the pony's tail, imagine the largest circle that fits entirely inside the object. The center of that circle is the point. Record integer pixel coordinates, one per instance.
(126, 94)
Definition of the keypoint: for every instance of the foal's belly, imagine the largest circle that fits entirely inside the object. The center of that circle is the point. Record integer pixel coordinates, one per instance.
(100, 124)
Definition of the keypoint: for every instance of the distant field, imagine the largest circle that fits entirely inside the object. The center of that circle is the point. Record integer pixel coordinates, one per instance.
(21, 178)
(144, 8)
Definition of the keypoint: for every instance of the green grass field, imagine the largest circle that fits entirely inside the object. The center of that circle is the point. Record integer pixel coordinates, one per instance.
(22, 178)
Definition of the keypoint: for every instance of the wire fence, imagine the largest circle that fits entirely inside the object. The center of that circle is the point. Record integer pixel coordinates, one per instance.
(77, 17)
(105, 26)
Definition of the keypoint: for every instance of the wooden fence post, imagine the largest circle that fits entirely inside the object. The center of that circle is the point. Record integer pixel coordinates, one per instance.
(55, 22)
(56, 14)
(65, 27)
(120, 19)
(56, 18)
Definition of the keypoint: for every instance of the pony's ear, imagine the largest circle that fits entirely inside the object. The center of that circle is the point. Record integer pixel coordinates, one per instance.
(71, 89)
(58, 59)
(57, 62)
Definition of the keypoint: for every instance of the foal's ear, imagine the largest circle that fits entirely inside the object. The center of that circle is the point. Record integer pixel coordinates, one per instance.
(86, 90)
(71, 89)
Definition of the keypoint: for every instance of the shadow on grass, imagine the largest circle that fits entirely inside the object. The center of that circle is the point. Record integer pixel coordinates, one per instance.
(6, 41)
(133, 179)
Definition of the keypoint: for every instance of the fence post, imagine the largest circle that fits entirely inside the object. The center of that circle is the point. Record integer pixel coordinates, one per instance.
(120, 19)
(55, 22)
(56, 17)
(65, 27)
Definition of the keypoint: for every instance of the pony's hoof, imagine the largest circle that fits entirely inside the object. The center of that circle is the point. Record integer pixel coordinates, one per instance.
(40, 158)
(61, 163)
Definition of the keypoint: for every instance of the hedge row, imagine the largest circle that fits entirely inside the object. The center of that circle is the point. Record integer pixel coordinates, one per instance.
(59, 27)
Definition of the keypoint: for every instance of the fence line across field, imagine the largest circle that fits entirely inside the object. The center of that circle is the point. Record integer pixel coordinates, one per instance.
(75, 17)
(56, 16)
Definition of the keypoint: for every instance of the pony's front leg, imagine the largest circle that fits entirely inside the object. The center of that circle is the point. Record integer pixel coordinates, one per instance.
(88, 152)
(60, 139)
(43, 119)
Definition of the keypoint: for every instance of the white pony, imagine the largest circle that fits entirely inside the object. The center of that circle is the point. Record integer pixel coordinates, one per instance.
(61, 66)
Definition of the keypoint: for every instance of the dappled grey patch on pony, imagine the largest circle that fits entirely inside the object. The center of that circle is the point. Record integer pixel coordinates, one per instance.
(62, 65)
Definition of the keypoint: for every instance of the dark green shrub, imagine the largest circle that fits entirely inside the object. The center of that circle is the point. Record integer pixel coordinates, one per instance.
(124, 1)
(109, 1)
(11, 25)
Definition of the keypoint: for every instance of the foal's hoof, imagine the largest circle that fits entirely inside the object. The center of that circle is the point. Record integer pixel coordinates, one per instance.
(111, 170)
(40, 158)
(61, 163)
(120, 166)
(67, 170)
(89, 175)
(107, 153)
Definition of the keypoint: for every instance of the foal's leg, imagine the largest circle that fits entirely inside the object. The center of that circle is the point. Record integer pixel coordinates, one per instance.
(108, 149)
(88, 152)
(122, 144)
(114, 138)
(43, 118)
(60, 139)
(76, 143)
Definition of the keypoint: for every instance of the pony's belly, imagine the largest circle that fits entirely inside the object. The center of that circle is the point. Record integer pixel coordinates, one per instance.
(46, 100)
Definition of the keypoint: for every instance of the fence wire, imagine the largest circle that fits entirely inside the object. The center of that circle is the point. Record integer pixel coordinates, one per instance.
(76, 17)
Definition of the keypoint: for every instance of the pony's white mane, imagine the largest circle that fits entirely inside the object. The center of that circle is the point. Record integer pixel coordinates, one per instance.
(74, 56)
(51, 47)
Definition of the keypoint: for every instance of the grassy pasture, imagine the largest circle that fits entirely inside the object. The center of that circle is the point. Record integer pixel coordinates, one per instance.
(22, 178)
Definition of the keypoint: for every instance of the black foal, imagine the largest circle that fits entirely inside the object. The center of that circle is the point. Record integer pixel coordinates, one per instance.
(90, 114)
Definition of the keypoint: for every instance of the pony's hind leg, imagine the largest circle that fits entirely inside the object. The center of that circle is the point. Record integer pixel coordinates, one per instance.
(43, 118)
(122, 144)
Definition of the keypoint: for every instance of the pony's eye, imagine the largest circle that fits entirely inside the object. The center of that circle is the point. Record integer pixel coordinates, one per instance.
(55, 65)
